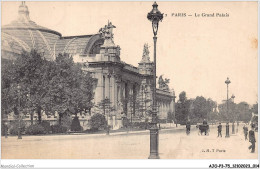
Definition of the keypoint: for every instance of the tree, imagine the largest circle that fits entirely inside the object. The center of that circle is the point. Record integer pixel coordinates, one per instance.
(182, 109)
(50, 86)
(255, 108)
(244, 112)
(240, 111)
(223, 112)
(7, 101)
(182, 97)
(66, 120)
(202, 108)
(71, 89)
(28, 71)
(105, 105)
(194, 110)
(136, 106)
(75, 125)
(97, 121)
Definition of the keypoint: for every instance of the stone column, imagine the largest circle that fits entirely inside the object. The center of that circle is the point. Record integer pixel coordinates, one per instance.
(118, 97)
(113, 90)
(169, 109)
(164, 109)
(171, 106)
(124, 96)
(130, 95)
(117, 92)
(104, 87)
(107, 87)
(99, 88)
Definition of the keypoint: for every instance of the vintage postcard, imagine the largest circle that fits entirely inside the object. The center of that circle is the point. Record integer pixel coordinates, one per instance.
(129, 80)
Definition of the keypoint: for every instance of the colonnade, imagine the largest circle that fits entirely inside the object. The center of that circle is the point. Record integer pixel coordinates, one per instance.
(124, 94)
(163, 108)
(117, 90)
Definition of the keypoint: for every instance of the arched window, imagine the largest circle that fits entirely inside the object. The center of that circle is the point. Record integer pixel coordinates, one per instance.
(96, 47)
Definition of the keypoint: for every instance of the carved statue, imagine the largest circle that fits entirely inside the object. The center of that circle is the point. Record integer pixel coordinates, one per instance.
(166, 81)
(107, 33)
(146, 50)
(160, 82)
(102, 31)
(163, 83)
(110, 27)
(145, 57)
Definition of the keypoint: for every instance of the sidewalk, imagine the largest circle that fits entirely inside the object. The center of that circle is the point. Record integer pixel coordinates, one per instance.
(173, 144)
(71, 135)
(82, 135)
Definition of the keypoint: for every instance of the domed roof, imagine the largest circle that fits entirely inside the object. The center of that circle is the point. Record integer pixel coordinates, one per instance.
(17, 24)
(29, 35)
(24, 34)
(24, 22)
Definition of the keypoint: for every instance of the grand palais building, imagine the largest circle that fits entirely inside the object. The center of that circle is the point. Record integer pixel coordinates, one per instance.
(117, 80)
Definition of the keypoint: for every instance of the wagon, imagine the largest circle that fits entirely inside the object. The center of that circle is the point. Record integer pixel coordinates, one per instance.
(203, 128)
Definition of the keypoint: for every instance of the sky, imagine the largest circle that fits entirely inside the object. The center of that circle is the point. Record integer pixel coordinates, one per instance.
(197, 54)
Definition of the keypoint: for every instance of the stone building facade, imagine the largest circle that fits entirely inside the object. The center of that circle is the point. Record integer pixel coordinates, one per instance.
(126, 87)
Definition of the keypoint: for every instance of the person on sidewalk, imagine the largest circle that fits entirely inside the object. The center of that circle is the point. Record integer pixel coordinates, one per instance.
(252, 140)
(188, 127)
(205, 122)
(245, 131)
(219, 130)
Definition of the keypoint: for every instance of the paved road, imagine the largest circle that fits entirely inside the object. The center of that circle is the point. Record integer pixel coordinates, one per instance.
(173, 144)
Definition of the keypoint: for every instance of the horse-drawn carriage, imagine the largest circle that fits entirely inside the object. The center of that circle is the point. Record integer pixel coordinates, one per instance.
(203, 128)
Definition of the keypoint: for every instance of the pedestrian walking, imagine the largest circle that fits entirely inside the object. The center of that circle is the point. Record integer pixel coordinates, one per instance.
(237, 127)
(219, 130)
(245, 131)
(252, 140)
(188, 127)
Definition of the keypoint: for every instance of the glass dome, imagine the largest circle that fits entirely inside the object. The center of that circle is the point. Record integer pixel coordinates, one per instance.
(27, 35)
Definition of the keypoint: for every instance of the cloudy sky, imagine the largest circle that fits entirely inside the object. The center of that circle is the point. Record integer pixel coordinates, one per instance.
(197, 54)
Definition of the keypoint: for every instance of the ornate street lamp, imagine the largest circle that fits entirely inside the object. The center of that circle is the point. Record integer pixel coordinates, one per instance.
(227, 126)
(233, 116)
(154, 16)
(19, 113)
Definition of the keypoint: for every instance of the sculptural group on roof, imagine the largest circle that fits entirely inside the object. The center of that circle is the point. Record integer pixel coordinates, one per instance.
(107, 31)
(163, 83)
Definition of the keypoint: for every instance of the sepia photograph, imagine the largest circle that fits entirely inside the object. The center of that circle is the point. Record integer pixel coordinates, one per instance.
(129, 80)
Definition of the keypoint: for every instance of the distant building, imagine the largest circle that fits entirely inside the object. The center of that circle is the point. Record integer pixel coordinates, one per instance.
(127, 87)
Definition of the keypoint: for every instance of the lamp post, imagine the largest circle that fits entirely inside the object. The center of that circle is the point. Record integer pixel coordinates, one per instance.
(19, 104)
(233, 116)
(154, 16)
(227, 125)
